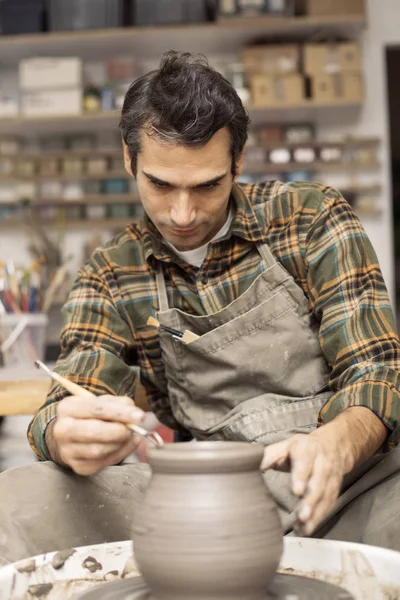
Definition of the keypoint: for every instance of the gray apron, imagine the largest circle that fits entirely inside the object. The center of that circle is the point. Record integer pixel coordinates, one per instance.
(255, 374)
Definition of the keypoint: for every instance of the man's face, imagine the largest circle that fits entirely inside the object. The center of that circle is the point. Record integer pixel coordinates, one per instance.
(185, 191)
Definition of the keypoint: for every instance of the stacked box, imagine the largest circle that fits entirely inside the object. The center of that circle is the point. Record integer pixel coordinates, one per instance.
(50, 86)
(325, 8)
(274, 76)
(335, 72)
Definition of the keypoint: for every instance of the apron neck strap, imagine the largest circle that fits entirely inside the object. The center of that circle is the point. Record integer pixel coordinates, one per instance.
(161, 289)
(263, 249)
(266, 254)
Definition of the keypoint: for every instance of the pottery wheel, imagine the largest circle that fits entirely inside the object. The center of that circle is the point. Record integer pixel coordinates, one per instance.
(283, 587)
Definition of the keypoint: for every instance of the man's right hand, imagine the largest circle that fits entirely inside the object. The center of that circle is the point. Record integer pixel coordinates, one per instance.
(89, 434)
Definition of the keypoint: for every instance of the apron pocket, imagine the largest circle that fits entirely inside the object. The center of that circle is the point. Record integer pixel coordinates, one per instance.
(257, 318)
(258, 422)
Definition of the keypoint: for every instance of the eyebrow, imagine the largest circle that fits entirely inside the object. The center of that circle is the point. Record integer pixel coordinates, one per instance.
(197, 185)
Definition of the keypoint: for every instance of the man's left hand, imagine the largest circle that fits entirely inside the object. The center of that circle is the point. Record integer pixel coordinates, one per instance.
(317, 469)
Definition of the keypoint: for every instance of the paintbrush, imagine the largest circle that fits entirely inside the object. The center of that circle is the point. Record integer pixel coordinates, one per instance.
(186, 336)
(77, 390)
(54, 286)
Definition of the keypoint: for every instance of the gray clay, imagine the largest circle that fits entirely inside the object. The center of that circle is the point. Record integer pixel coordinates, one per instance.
(207, 526)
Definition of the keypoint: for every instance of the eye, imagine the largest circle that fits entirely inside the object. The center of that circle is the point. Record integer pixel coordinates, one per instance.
(209, 186)
(159, 185)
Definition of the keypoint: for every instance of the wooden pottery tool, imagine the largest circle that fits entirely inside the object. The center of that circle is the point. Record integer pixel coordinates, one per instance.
(185, 336)
(54, 286)
(77, 390)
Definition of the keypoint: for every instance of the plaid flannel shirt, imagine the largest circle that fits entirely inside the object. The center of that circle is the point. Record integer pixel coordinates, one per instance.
(310, 229)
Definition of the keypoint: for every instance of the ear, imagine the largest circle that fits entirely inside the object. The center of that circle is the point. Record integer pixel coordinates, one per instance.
(127, 159)
(239, 165)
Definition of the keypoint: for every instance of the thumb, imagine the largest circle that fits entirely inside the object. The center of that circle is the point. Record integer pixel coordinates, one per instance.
(276, 456)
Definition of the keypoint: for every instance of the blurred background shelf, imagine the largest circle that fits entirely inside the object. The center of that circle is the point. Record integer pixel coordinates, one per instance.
(120, 224)
(117, 152)
(59, 124)
(75, 224)
(87, 199)
(311, 166)
(339, 143)
(255, 169)
(222, 36)
(305, 112)
(63, 177)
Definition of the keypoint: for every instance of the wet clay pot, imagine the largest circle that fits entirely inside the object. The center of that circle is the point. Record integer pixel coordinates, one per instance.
(207, 528)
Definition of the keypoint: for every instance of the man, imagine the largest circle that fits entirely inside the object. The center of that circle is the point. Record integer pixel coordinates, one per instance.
(282, 286)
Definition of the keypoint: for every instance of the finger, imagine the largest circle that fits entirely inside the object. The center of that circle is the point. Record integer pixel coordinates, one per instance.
(276, 456)
(108, 408)
(94, 431)
(88, 467)
(302, 457)
(92, 452)
(122, 453)
(323, 507)
(316, 489)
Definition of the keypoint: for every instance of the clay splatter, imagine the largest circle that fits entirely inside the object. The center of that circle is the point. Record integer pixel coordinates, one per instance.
(91, 564)
(129, 568)
(27, 567)
(60, 558)
(40, 590)
(111, 576)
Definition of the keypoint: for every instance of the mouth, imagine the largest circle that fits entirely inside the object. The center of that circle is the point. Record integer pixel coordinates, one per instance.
(184, 232)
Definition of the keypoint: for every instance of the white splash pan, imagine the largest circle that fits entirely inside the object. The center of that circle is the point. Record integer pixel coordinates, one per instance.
(367, 572)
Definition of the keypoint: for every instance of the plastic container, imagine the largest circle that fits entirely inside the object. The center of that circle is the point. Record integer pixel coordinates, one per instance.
(84, 14)
(22, 16)
(23, 338)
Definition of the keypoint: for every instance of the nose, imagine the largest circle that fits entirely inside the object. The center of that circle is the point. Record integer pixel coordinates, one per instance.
(183, 212)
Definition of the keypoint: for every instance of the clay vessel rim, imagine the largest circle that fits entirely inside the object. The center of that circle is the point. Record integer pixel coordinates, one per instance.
(208, 456)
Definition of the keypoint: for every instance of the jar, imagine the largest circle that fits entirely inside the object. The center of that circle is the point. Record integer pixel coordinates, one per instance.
(207, 526)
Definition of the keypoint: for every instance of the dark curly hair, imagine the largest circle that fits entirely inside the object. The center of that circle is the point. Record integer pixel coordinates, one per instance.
(185, 102)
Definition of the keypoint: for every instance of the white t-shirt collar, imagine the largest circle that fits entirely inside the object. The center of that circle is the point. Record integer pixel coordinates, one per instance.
(196, 257)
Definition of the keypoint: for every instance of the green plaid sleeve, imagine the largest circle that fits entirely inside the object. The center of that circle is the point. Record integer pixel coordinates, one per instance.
(357, 332)
(97, 349)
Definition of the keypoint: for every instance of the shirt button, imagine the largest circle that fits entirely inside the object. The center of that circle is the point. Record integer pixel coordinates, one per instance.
(204, 279)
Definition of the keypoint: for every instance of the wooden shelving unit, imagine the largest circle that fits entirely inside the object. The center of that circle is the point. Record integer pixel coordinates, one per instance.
(147, 43)
(255, 169)
(311, 167)
(305, 112)
(74, 224)
(90, 199)
(224, 35)
(348, 143)
(117, 152)
(84, 201)
(70, 177)
(113, 224)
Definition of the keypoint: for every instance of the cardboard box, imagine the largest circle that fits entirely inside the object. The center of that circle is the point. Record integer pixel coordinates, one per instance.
(346, 87)
(51, 103)
(282, 58)
(332, 58)
(323, 8)
(50, 73)
(277, 90)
